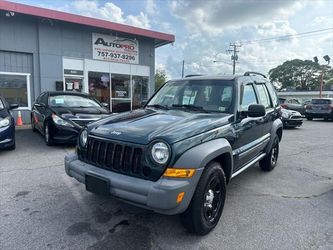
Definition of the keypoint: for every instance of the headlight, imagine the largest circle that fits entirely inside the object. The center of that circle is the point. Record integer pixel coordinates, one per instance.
(83, 138)
(4, 122)
(285, 115)
(59, 121)
(160, 153)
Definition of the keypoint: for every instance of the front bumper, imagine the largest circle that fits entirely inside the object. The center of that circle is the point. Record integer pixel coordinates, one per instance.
(292, 122)
(160, 196)
(319, 113)
(62, 134)
(7, 136)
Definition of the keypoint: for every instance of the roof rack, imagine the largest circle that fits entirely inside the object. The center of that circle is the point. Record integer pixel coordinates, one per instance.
(248, 73)
(193, 75)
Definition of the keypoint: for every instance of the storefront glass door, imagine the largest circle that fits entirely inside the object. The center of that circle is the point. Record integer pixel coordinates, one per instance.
(99, 86)
(140, 91)
(121, 93)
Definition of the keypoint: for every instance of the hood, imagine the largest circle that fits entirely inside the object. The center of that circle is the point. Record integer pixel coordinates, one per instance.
(80, 113)
(144, 125)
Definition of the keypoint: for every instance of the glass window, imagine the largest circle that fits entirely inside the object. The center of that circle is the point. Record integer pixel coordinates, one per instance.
(209, 95)
(272, 93)
(249, 97)
(321, 101)
(121, 87)
(263, 95)
(140, 90)
(2, 105)
(43, 98)
(73, 84)
(72, 101)
(15, 89)
(99, 86)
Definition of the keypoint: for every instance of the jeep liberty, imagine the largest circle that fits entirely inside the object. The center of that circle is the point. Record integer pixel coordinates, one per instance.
(177, 153)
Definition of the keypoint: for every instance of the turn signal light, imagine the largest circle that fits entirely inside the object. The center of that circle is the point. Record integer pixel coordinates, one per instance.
(179, 172)
(180, 197)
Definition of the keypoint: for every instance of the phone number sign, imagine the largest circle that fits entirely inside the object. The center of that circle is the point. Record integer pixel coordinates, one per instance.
(115, 49)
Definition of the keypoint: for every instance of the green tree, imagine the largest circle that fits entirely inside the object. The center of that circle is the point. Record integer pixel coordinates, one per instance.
(302, 74)
(160, 78)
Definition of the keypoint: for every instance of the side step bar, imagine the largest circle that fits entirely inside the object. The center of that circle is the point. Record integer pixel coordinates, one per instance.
(248, 165)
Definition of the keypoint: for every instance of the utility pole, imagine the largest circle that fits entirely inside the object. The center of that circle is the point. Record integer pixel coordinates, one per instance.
(234, 56)
(183, 69)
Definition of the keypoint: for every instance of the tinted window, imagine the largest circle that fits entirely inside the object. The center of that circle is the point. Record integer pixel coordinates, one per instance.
(321, 101)
(249, 97)
(273, 94)
(210, 95)
(43, 98)
(2, 106)
(263, 95)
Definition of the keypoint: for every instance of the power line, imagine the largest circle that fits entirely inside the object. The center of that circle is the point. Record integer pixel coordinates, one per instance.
(309, 33)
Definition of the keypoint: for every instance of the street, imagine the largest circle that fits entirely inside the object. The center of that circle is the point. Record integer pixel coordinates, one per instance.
(288, 208)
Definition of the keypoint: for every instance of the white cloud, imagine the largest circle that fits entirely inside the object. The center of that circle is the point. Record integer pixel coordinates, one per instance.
(214, 16)
(151, 7)
(107, 11)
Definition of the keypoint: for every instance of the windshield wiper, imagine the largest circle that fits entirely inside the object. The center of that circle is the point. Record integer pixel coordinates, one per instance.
(190, 107)
(158, 106)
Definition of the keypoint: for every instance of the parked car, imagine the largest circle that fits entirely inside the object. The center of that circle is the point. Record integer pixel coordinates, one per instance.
(7, 125)
(291, 118)
(320, 108)
(176, 155)
(59, 116)
(292, 104)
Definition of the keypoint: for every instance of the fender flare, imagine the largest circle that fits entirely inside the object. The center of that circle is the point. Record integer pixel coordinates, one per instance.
(200, 155)
(277, 124)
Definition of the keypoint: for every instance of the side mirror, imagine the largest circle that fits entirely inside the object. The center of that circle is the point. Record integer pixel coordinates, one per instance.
(40, 105)
(13, 106)
(105, 105)
(143, 103)
(256, 110)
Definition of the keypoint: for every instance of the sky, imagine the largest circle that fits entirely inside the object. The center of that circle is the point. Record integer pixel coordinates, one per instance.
(204, 29)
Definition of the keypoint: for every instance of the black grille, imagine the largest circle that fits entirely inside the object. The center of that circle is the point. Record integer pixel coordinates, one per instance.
(296, 117)
(82, 123)
(114, 156)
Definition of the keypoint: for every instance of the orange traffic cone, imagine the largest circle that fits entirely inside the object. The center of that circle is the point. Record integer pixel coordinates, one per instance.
(19, 119)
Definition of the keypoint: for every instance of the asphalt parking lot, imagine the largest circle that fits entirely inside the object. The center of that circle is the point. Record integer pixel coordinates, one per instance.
(289, 208)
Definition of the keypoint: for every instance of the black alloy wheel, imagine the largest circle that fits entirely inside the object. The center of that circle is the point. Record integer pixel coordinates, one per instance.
(205, 209)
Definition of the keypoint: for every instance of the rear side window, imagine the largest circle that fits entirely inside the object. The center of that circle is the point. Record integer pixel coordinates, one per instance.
(273, 94)
(248, 98)
(263, 95)
(321, 101)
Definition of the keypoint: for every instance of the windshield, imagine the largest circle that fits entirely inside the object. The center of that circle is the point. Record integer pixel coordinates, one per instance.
(321, 101)
(72, 101)
(195, 95)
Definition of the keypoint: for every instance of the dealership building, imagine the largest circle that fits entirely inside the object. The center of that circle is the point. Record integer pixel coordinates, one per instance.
(46, 50)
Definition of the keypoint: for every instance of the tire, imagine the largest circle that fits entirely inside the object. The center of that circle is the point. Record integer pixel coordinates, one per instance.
(309, 118)
(207, 203)
(33, 126)
(47, 136)
(269, 162)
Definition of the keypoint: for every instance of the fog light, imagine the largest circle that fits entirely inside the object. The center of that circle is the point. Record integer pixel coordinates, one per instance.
(180, 197)
(179, 172)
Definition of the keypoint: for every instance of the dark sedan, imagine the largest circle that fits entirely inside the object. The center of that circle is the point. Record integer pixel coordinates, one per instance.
(7, 125)
(59, 116)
